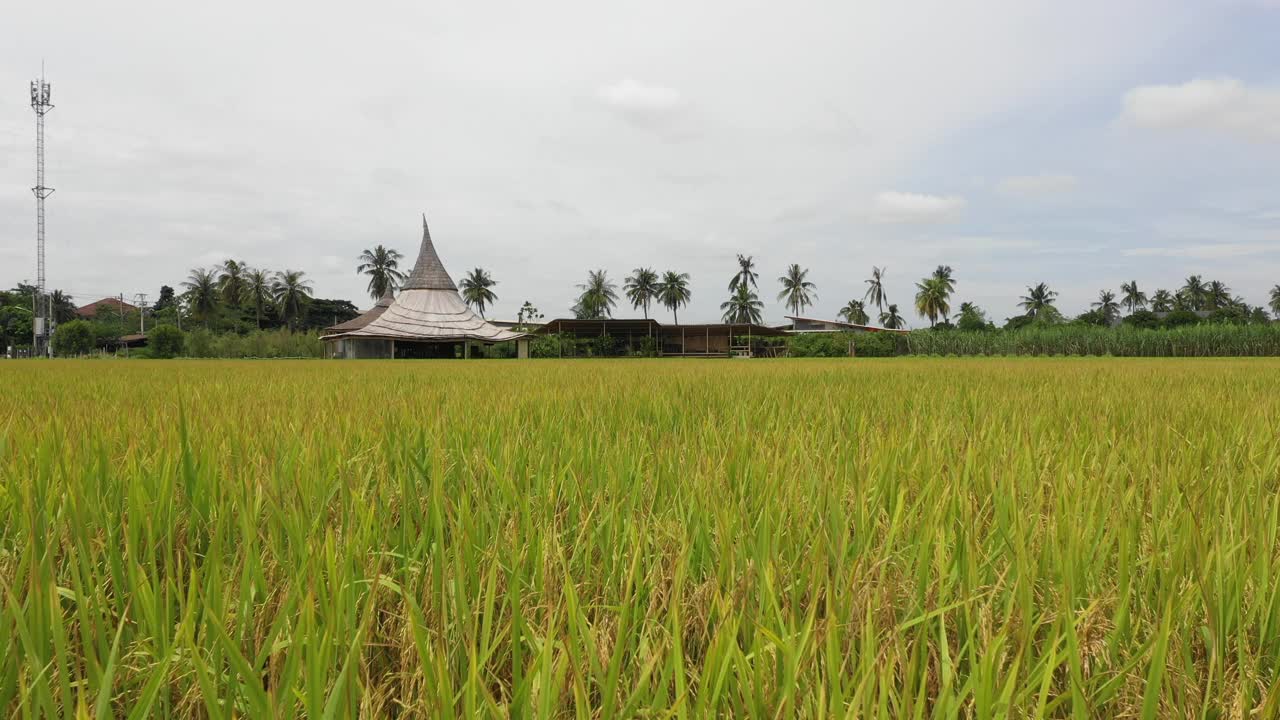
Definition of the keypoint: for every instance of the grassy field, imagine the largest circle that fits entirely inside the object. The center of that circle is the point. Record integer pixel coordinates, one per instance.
(649, 538)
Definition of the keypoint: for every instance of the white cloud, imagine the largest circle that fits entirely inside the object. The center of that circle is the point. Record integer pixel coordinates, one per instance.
(897, 207)
(212, 257)
(482, 123)
(979, 244)
(1221, 105)
(1202, 252)
(632, 97)
(1042, 185)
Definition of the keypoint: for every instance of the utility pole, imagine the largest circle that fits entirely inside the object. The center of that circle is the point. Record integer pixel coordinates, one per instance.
(141, 299)
(125, 343)
(40, 95)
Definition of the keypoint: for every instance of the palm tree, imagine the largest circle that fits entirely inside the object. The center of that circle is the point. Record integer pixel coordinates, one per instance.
(932, 298)
(1193, 292)
(64, 310)
(381, 264)
(746, 274)
(891, 319)
(1275, 301)
(291, 292)
(1037, 299)
(1134, 299)
(257, 291)
(598, 296)
(641, 288)
(476, 289)
(231, 281)
(202, 293)
(673, 292)
(743, 306)
(942, 274)
(797, 292)
(1107, 305)
(875, 289)
(1217, 295)
(1161, 300)
(854, 312)
(970, 317)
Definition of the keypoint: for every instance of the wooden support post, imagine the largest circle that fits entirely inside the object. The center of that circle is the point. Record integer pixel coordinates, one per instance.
(683, 350)
(706, 349)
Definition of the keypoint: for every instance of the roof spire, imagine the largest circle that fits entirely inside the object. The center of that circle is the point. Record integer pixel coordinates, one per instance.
(428, 272)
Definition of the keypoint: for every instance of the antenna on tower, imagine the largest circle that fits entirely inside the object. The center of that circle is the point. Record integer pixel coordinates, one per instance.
(42, 327)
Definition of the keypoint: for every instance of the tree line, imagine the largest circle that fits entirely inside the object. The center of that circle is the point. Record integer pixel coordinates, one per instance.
(1197, 299)
(234, 296)
(644, 288)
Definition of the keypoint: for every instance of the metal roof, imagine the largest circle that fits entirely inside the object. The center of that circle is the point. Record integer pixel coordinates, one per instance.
(579, 325)
(617, 325)
(366, 317)
(841, 323)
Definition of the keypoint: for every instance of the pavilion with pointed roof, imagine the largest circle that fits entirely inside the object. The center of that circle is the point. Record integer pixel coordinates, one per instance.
(427, 318)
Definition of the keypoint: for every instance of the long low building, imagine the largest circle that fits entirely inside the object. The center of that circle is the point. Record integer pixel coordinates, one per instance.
(631, 335)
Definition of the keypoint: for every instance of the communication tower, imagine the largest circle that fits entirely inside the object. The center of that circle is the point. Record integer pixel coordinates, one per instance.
(42, 325)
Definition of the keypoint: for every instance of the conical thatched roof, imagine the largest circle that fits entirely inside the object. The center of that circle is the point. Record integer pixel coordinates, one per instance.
(428, 308)
(428, 272)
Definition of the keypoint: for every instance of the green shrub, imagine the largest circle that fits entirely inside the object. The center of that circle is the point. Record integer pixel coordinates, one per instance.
(199, 343)
(1018, 322)
(973, 322)
(165, 341)
(1180, 318)
(548, 346)
(1095, 318)
(279, 343)
(1143, 320)
(646, 347)
(880, 344)
(1230, 315)
(818, 345)
(73, 338)
(865, 344)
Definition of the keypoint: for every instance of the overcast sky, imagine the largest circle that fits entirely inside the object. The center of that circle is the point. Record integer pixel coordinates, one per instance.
(1080, 144)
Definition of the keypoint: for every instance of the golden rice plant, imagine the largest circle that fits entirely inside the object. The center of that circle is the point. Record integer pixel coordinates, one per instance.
(971, 538)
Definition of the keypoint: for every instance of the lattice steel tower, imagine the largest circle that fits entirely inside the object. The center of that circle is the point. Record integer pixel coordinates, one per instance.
(42, 326)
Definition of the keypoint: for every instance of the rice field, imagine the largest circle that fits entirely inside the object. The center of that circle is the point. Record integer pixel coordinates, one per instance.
(910, 537)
